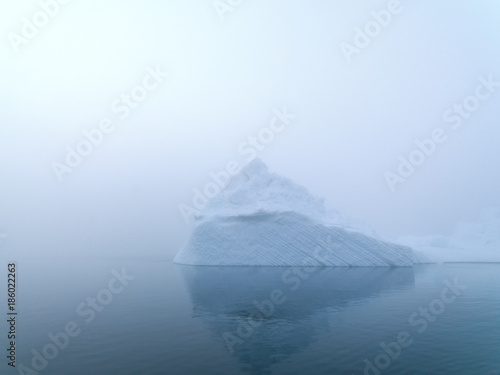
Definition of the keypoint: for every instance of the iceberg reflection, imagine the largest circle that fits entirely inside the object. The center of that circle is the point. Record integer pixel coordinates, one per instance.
(266, 314)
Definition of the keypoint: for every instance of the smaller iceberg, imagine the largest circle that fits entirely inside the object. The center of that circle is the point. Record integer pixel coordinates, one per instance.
(263, 219)
(470, 242)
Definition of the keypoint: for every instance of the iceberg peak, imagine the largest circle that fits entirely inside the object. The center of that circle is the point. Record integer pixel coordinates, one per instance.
(255, 166)
(256, 190)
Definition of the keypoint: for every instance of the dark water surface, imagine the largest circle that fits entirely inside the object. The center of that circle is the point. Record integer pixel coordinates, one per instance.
(171, 319)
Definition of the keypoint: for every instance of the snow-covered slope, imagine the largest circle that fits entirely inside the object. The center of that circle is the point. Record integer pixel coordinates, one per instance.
(261, 218)
(471, 242)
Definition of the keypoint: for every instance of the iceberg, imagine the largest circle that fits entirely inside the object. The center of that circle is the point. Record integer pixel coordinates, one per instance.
(263, 219)
(470, 242)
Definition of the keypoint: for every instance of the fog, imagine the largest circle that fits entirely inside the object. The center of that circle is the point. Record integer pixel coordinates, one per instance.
(214, 75)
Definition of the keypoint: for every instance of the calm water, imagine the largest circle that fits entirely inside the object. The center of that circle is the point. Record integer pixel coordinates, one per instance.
(173, 319)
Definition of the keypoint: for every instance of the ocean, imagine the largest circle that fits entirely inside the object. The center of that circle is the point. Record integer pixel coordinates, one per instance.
(123, 316)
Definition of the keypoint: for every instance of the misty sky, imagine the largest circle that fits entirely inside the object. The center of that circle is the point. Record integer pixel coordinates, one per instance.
(218, 75)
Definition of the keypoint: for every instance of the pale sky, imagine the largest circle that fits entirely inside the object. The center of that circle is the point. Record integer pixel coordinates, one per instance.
(209, 81)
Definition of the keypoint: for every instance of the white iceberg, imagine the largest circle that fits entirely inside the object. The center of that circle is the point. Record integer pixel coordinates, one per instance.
(263, 219)
(470, 242)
